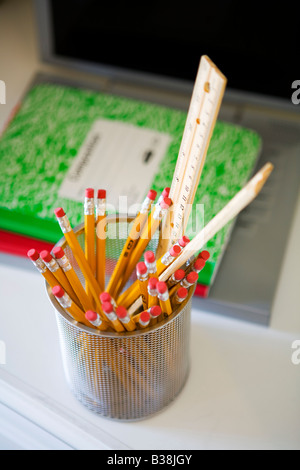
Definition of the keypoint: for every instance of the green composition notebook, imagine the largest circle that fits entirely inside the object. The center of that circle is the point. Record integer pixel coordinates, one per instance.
(65, 139)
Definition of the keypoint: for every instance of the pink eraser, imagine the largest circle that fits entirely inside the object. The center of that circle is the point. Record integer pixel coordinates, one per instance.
(59, 212)
(166, 192)
(152, 194)
(175, 250)
(141, 268)
(107, 307)
(149, 256)
(58, 291)
(161, 287)
(179, 274)
(184, 241)
(182, 292)
(90, 315)
(105, 297)
(101, 193)
(199, 264)
(121, 312)
(155, 311)
(58, 252)
(192, 277)
(152, 282)
(89, 192)
(33, 254)
(165, 203)
(46, 256)
(204, 255)
(145, 316)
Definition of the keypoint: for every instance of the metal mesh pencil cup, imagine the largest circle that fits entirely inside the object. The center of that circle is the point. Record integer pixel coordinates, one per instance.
(123, 376)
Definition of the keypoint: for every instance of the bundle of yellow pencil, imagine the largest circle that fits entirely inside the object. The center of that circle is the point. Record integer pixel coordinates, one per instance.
(162, 282)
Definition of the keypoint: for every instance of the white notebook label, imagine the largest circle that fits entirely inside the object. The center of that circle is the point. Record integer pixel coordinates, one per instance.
(119, 157)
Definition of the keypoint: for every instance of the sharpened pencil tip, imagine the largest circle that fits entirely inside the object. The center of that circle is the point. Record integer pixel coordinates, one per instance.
(264, 174)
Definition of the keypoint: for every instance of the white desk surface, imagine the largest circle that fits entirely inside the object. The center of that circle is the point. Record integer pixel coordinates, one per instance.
(243, 391)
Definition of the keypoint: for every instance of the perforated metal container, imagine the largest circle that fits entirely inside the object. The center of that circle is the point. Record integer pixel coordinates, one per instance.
(130, 375)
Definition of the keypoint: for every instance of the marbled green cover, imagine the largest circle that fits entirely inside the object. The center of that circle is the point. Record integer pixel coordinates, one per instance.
(38, 146)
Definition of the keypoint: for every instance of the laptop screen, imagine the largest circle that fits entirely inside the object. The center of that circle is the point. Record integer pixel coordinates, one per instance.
(166, 40)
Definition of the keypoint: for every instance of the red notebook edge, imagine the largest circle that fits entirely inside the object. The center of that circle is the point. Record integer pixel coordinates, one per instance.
(18, 245)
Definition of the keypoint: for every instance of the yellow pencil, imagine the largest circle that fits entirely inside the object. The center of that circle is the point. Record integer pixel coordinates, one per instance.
(89, 231)
(123, 316)
(72, 277)
(179, 297)
(155, 311)
(142, 276)
(132, 293)
(152, 292)
(101, 237)
(189, 280)
(115, 283)
(95, 319)
(150, 262)
(79, 256)
(148, 232)
(67, 303)
(163, 296)
(142, 319)
(41, 267)
(58, 273)
(110, 313)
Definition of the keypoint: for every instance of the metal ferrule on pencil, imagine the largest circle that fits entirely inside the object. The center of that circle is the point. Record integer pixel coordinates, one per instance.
(159, 212)
(164, 297)
(185, 283)
(142, 277)
(52, 265)
(40, 265)
(89, 206)
(64, 224)
(65, 301)
(151, 267)
(111, 316)
(64, 263)
(152, 292)
(100, 207)
(179, 299)
(146, 205)
(172, 281)
(97, 322)
(167, 259)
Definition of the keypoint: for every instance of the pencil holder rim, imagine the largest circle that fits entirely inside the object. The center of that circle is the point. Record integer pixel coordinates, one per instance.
(111, 334)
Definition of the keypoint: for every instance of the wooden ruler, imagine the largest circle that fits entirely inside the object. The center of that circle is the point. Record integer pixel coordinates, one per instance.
(203, 111)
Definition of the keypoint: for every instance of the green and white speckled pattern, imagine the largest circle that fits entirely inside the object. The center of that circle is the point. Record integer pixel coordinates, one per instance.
(38, 146)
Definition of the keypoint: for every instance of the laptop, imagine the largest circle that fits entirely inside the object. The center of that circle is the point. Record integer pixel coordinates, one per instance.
(153, 53)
